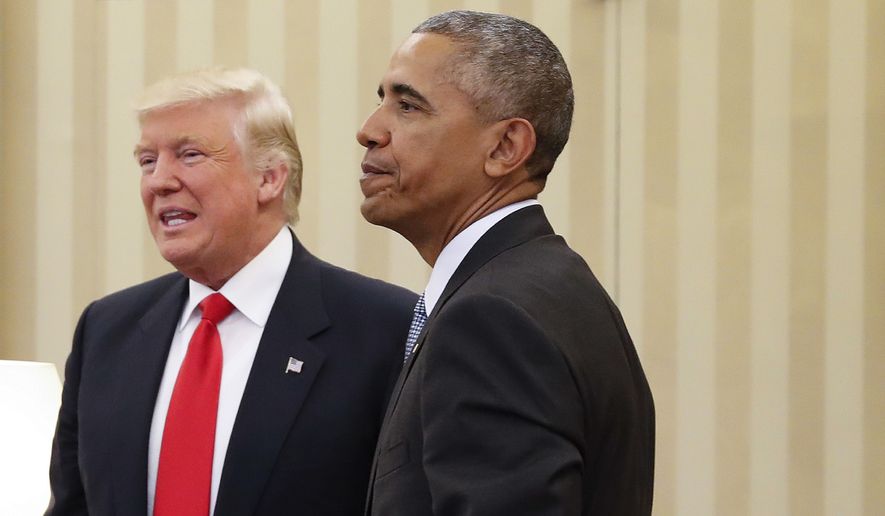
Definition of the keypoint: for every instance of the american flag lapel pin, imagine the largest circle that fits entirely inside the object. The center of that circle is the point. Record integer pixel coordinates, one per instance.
(294, 365)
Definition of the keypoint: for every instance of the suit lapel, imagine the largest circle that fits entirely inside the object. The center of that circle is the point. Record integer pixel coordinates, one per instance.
(517, 228)
(273, 398)
(143, 355)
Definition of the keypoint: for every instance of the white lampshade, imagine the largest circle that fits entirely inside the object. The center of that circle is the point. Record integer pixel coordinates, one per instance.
(30, 394)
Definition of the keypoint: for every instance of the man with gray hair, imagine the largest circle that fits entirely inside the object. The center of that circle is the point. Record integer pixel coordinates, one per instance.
(254, 379)
(521, 393)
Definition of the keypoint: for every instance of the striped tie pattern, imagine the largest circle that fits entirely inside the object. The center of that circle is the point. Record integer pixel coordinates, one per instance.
(418, 320)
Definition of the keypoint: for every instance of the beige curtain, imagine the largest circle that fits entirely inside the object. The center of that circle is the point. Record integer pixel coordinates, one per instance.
(725, 179)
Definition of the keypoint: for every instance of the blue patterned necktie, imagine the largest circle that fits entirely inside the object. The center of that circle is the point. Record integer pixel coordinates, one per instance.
(418, 320)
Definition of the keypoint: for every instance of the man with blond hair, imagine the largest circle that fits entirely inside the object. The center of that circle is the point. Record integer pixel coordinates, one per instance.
(253, 379)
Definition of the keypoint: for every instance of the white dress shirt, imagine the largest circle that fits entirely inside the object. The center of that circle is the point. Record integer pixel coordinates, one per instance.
(454, 252)
(252, 291)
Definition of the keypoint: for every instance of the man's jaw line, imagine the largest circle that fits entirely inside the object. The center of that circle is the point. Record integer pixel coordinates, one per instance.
(430, 241)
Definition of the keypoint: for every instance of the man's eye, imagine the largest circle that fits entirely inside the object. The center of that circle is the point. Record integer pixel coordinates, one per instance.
(405, 106)
(191, 156)
(146, 163)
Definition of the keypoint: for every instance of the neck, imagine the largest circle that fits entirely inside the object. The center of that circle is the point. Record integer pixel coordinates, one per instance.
(430, 243)
(223, 268)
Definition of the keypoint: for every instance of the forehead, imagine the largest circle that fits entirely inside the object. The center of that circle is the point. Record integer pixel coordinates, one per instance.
(212, 120)
(423, 60)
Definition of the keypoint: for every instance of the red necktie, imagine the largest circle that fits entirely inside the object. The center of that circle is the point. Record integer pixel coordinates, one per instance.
(184, 475)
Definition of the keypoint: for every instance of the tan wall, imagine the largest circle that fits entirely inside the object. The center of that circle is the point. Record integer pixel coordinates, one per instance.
(725, 179)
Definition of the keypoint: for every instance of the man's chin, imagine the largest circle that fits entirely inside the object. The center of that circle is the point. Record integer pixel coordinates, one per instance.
(372, 212)
(177, 255)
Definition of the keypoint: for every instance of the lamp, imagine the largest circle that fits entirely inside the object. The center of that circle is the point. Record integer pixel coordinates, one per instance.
(30, 394)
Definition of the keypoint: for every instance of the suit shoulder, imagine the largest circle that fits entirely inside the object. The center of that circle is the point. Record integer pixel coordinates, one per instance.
(547, 264)
(552, 284)
(138, 297)
(352, 287)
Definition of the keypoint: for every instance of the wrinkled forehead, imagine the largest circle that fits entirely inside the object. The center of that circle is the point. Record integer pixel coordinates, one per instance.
(212, 122)
(210, 125)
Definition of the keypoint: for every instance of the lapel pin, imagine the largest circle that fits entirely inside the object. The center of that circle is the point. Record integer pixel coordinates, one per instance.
(294, 365)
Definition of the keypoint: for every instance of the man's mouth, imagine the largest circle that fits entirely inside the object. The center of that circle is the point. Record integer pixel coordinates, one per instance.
(370, 170)
(173, 218)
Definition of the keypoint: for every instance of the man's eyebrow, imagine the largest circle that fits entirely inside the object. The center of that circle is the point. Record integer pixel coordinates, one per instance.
(139, 148)
(179, 142)
(406, 90)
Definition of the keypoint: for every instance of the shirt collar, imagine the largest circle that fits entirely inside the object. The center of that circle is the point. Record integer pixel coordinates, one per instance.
(454, 252)
(253, 289)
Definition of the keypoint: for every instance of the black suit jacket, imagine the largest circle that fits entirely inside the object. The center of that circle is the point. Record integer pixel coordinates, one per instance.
(301, 444)
(525, 395)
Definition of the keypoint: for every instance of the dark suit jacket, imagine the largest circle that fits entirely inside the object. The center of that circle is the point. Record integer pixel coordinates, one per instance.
(302, 444)
(525, 396)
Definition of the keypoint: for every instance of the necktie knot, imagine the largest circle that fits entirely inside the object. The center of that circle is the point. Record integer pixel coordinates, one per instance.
(215, 307)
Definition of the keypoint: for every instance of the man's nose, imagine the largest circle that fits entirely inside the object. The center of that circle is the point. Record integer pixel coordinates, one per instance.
(163, 179)
(373, 134)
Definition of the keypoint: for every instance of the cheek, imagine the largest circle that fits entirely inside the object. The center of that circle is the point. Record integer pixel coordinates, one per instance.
(418, 160)
(229, 210)
(147, 198)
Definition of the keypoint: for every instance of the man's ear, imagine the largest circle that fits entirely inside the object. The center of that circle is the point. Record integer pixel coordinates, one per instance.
(515, 144)
(272, 182)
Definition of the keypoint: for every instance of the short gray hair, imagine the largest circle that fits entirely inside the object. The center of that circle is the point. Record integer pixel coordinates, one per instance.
(511, 69)
(265, 131)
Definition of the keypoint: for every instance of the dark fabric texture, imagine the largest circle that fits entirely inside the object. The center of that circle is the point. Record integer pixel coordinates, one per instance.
(524, 396)
(301, 443)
